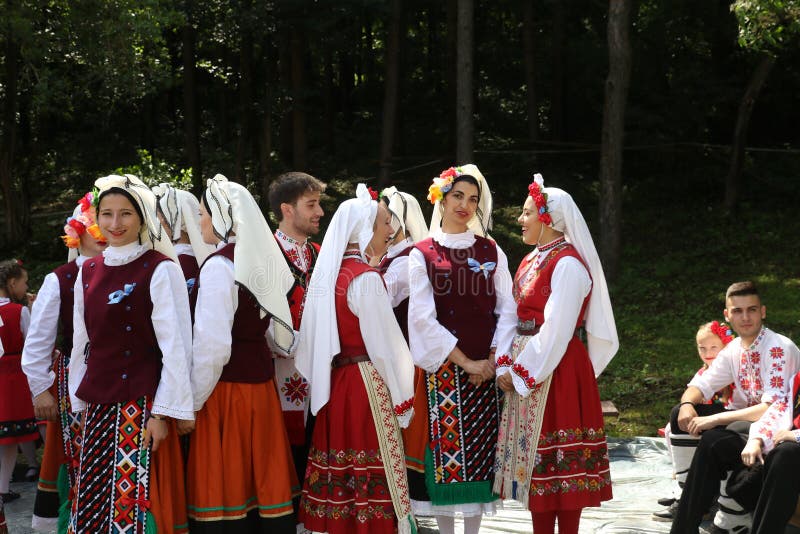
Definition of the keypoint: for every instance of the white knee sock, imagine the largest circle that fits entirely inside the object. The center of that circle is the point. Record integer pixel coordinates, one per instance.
(8, 459)
(28, 449)
(446, 524)
(472, 524)
(730, 516)
(682, 447)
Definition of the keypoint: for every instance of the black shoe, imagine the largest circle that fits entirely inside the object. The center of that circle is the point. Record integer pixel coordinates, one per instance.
(667, 501)
(32, 474)
(667, 514)
(714, 529)
(10, 496)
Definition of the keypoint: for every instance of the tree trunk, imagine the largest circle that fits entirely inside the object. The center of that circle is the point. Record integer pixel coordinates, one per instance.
(528, 36)
(191, 120)
(464, 89)
(390, 94)
(299, 140)
(244, 139)
(732, 181)
(557, 95)
(616, 94)
(265, 149)
(452, 76)
(330, 106)
(14, 227)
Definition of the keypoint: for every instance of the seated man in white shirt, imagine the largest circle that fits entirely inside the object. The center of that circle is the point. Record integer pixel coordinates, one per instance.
(759, 363)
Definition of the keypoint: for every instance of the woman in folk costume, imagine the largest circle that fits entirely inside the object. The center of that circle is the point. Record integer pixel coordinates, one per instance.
(249, 484)
(179, 213)
(46, 368)
(460, 309)
(552, 454)
(354, 356)
(129, 370)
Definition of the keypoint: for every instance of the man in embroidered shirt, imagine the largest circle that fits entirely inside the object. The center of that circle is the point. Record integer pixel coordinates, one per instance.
(776, 436)
(294, 198)
(759, 363)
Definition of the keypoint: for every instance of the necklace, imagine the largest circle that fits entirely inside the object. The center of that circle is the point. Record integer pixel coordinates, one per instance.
(552, 244)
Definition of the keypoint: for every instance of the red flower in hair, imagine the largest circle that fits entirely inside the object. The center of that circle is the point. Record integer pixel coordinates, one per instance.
(722, 331)
(540, 199)
(372, 193)
(86, 202)
(77, 225)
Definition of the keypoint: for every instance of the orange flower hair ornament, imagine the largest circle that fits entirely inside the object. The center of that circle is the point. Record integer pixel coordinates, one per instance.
(441, 185)
(77, 225)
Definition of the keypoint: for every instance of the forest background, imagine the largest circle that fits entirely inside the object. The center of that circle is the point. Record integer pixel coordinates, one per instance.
(674, 124)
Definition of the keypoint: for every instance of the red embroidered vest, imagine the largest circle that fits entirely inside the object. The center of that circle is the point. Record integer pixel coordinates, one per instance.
(531, 299)
(66, 275)
(401, 310)
(465, 299)
(11, 331)
(251, 359)
(123, 361)
(349, 326)
(297, 293)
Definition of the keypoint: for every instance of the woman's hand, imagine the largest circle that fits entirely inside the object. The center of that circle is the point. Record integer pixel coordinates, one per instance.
(752, 453)
(155, 432)
(505, 382)
(184, 426)
(45, 407)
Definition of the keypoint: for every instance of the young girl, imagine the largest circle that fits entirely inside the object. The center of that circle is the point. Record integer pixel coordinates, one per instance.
(46, 368)
(130, 370)
(17, 421)
(353, 354)
(460, 308)
(552, 454)
(711, 338)
(241, 289)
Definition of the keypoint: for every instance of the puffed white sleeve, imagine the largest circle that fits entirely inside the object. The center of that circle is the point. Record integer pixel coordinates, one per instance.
(217, 300)
(777, 417)
(430, 342)
(25, 321)
(172, 325)
(396, 278)
(505, 308)
(41, 339)
(542, 353)
(80, 342)
(368, 299)
(718, 375)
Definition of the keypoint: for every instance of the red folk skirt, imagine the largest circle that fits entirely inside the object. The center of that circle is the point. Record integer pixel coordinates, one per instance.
(17, 421)
(572, 470)
(345, 489)
(240, 467)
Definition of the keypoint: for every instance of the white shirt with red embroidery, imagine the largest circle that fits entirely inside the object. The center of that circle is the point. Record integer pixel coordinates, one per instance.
(760, 372)
(777, 417)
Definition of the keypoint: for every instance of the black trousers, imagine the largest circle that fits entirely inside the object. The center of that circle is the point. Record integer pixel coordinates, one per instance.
(718, 452)
(778, 498)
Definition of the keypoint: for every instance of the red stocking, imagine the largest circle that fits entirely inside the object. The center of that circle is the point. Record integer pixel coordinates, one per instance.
(568, 521)
(544, 522)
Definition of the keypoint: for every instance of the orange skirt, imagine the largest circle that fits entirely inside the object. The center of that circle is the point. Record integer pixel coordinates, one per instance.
(167, 485)
(240, 463)
(45, 507)
(416, 439)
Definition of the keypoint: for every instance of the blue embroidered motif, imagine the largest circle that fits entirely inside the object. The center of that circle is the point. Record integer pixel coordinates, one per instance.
(119, 294)
(477, 267)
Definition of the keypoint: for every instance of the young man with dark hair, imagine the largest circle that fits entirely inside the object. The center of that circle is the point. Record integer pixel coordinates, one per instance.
(295, 199)
(759, 363)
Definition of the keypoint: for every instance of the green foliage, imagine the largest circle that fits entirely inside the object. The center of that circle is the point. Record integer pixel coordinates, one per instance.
(768, 25)
(153, 172)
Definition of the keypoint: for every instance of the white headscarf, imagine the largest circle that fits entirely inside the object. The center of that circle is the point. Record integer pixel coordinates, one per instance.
(258, 263)
(151, 232)
(481, 223)
(406, 210)
(319, 334)
(601, 330)
(181, 211)
(73, 253)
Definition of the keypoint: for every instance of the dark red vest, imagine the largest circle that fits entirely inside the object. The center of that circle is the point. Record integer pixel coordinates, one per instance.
(531, 303)
(349, 326)
(251, 359)
(465, 300)
(11, 331)
(297, 293)
(401, 310)
(66, 275)
(123, 361)
(189, 266)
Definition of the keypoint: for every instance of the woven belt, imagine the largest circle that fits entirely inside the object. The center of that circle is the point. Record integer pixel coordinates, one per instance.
(341, 361)
(580, 332)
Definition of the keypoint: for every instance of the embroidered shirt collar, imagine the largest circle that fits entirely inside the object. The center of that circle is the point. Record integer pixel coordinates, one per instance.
(288, 240)
(461, 240)
(397, 248)
(758, 339)
(125, 254)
